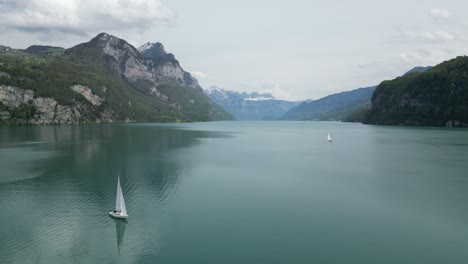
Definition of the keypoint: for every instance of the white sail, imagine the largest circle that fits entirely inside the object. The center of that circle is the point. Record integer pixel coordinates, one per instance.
(119, 200)
(117, 197)
(329, 137)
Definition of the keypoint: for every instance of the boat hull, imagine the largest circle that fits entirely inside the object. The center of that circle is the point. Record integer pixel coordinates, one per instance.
(111, 213)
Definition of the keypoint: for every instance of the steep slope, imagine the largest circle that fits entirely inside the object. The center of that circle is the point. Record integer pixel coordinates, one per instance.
(250, 106)
(103, 80)
(331, 107)
(437, 97)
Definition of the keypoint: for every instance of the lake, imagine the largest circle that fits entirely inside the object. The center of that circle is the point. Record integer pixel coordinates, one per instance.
(234, 192)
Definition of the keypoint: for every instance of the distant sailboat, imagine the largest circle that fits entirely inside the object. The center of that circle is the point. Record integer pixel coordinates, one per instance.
(120, 210)
(329, 137)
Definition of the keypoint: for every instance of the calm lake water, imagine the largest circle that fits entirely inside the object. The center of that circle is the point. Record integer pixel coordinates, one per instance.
(234, 192)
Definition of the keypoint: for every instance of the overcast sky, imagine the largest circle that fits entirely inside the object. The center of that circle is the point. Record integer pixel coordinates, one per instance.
(295, 49)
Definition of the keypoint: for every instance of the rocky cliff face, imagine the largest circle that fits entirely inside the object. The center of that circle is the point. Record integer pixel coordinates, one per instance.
(47, 111)
(151, 64)
(165, 65)
(13, 96)
(155, 51)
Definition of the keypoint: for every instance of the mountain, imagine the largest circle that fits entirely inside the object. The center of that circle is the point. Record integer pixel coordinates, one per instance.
(155, 51)
(331, 107)
(103, 80)
(436, 97)
(349, 106)
(249, 106)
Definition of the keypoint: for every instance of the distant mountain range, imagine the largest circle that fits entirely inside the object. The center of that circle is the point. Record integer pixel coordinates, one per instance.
(345, 106)
(249, 106)
(331, 107)
(103, 80)
(436, 97)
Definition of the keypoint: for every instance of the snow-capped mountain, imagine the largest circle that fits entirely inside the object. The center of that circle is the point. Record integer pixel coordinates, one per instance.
(155, 51)
(249, 106)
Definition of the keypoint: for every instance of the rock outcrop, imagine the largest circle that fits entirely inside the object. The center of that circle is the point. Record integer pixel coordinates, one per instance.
(88, 94)
(155, 51)
(47, 110)
(13, 96)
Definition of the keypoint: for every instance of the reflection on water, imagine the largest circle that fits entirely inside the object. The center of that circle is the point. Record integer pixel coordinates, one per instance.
(21, 163)
(57, 184)
(120, 225)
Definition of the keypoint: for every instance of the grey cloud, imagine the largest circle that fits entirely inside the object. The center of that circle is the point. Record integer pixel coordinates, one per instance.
(425, 36)
(439, 13)
(83, 17)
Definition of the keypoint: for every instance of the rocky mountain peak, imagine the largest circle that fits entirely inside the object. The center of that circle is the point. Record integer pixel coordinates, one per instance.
(155, 51)
(154, 47)
(214, 89)
(113, 46)
(154, 65)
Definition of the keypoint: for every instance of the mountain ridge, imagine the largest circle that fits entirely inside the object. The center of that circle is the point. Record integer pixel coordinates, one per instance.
(331, 107)
(130, 86)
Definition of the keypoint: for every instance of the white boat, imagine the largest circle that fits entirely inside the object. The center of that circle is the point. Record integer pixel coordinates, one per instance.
(120, 210)
(329, 137)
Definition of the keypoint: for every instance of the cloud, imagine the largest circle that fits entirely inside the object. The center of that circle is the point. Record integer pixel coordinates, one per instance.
(434, 36)
(198, 74)
(279, 93)
(421, 57)
(438, 13)
(83, 17)
(437, 36)
(444, 35)
(412, 56)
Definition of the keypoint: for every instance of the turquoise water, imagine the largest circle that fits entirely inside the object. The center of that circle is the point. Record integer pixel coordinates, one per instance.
(234, 192)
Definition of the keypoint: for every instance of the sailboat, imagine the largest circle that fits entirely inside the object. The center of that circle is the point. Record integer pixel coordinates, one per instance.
(120, 210)
(329, 137)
